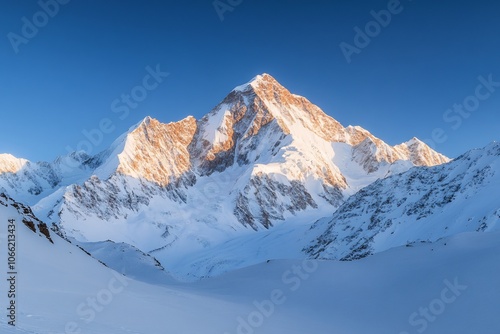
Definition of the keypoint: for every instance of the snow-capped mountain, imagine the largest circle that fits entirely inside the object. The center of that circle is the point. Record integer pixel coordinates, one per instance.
(29, 182)
(261, 158)
(421, 205)
(257, 196)
(62, 289)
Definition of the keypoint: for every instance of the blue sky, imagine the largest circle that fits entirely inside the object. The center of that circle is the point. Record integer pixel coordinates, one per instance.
(400, 84)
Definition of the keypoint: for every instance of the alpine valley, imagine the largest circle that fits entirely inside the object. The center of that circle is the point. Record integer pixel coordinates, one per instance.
(264, 192)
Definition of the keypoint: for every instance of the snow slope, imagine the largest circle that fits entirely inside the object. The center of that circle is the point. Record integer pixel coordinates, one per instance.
(128, 260)
(446, 287)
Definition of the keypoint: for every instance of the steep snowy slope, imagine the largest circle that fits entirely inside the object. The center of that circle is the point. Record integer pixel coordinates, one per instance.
(61, 289)
(128, 260)
(446, 287)
(421, 205)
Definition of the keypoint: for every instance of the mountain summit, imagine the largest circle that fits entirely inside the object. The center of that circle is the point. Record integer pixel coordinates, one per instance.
(261, 157)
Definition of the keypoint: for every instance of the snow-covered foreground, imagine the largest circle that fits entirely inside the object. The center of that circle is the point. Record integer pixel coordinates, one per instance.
(447, 287)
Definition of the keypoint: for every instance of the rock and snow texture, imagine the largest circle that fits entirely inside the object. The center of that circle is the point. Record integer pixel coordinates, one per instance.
(261, 157)
(423, 204)
(62, 289)
(232, 198)
(23, 215)
(30, 182)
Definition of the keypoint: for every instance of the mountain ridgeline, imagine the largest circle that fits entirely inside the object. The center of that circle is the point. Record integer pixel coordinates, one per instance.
(262, 158)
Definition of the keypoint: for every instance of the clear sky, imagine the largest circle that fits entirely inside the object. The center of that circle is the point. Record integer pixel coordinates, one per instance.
(64, 78)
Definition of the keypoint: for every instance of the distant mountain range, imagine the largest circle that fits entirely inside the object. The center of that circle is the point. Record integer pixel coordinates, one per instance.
(253, 180)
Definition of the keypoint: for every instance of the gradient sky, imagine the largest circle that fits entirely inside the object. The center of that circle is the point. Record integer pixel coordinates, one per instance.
(428, 58)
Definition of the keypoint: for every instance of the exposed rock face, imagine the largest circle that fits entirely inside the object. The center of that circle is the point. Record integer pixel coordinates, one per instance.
(11, 164)
(28, 217)
(420, 154)
(371, 152)
(267, 193)
(158, 152)
(269, 154)
(420, 205)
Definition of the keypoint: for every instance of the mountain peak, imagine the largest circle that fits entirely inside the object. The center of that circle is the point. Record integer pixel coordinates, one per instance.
(271, 153)
(261, 79)
(11, 164)
(257, 106)
(264, 77)
(420, 153)
(146, 121)
(414, 141)
(153, 151)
